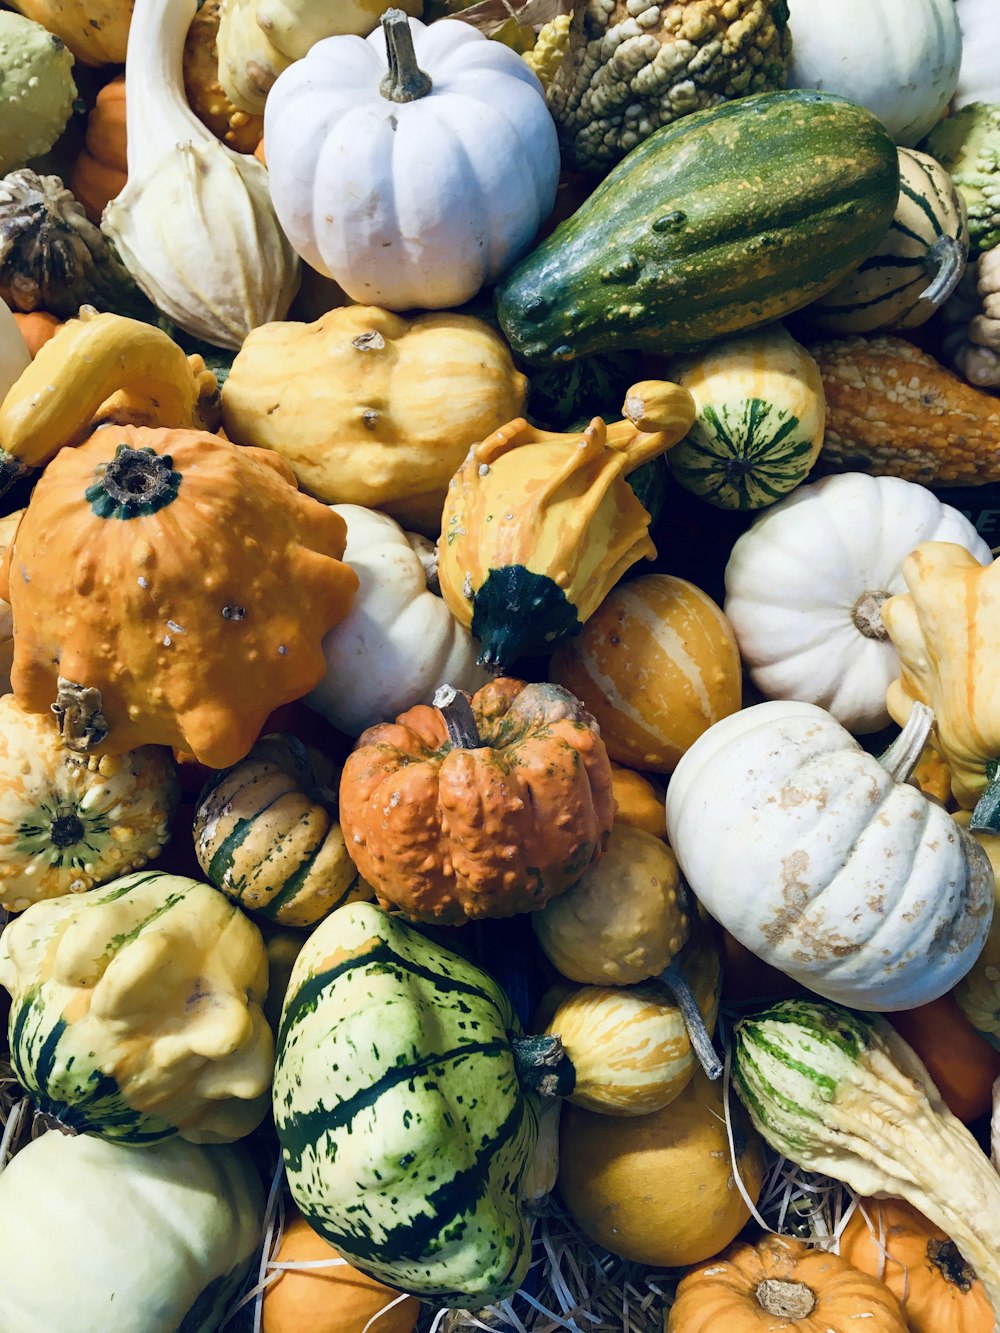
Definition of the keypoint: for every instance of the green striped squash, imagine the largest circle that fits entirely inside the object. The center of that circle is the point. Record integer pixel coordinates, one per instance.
(136, 1011)
(404, 1125)
(918, 265)
(266, 833)
(759, 424)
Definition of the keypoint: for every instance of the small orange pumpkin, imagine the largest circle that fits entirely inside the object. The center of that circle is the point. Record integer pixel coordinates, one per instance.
(36, 328)
(101, 169)
(640, 801)
(337, 1299)
(169, 588)
(782, 1284)
(478, 808)
(937, 1289)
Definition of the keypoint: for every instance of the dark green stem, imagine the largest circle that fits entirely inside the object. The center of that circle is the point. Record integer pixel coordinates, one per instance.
(543, 1066)
(985, 818)
(406, 81)
(701, 1042)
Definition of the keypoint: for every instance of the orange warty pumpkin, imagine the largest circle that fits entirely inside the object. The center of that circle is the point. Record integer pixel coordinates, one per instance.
(337, 1299)
(101, 169)
(656, 664)
(782, 1285)
(937, 1289)
(479, 808)
(169, 588)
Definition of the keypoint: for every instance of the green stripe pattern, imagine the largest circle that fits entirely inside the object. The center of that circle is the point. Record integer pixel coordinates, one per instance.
(404, 1131)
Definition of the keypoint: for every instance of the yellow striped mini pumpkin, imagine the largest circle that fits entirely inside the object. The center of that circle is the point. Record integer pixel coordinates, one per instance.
(267, 834)
(656, 665)
(628, 1044)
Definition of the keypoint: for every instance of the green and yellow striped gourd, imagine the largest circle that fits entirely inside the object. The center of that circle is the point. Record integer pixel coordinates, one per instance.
(404, 1103)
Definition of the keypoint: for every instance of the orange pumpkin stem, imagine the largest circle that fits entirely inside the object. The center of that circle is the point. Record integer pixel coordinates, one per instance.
(785, 1300)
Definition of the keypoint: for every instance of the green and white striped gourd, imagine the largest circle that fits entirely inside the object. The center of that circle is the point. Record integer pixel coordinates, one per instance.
(136, 1011)
(759, 424)
(841, 1093)
(403, 1107)
(918, 265)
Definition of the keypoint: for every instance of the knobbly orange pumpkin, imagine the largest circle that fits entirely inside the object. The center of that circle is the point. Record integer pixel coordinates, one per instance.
(783, 1285)
(923, 1269)
(101, 169)
(478, 808)
(169, 588)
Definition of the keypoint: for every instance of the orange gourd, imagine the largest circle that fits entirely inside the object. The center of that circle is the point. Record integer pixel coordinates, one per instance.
(479, 808)
(169, 588)
(962, 1064)
(938, 1291)
(640, 801)
(781, 1285)
(101, 169)
(37, 328)
(656, 664)
(337, 1299)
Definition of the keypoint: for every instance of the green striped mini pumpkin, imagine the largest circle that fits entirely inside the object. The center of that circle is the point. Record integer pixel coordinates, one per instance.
(915, 269)
(266, 833)
(401, 1104)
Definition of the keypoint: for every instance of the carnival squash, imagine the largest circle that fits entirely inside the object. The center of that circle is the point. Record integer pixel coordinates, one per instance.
(68, 822)
(657, 664)
(148, 1241)
(406, 1104)
(371, 409)
(539, 527)
(344, 127)
(136, 1011)
(938, 1291)
(169, 588)
(781, 1283)
(759, 423)
(327, 1295)
(659, 1189)
(101, 169)
(479, 808)
(266, 834)
(399, 642)
(828, 865)
(813, 630)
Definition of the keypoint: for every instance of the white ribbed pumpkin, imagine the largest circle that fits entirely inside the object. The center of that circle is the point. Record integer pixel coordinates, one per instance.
(399, 641)
(805, 585)
(107, 1239)
(417, 202)
(826, 864)
(898, 58)
(979, 77)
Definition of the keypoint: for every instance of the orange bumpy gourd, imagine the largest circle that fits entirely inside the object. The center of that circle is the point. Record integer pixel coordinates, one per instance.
(479, 808)
(169, 588)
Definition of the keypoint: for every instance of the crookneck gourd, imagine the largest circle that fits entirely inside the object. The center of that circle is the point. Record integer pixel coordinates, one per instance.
(478, 808)
(266, 833)
(538, 527)
(136, 1011)
(170, 588)
(68, 822)
(406, 1102)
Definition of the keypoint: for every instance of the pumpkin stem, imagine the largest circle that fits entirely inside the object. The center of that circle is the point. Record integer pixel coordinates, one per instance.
(945, 262)
(134, 483)
(77, 711)
(867, 615)
(701, 1043)
(985, 818)
(945, 1256)
(459, 718)
(904, 753)
(53, 1122)
(406, 81)
(543, 1066)
(785, 1300)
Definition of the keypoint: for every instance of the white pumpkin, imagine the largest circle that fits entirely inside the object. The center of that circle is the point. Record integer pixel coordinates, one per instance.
(102, 1238)
(899, 58)
(826, 864)
(805, 586)
(14, 354)
(414, 202)
(979, 77)
(399, 641)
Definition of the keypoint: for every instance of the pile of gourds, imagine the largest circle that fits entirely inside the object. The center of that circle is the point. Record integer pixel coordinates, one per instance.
(379, 844)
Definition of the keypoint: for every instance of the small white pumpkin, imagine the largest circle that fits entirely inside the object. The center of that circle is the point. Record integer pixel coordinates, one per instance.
(399, 642)
(979, 77)
(898, 58)
(823, 862)
(805, 585)
(411, 174)
(109, 1239)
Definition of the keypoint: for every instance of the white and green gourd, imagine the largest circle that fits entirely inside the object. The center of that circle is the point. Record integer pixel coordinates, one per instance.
(760, 419)
(37, 91)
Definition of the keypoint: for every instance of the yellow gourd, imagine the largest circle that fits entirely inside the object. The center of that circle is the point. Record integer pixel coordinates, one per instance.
(640, 801)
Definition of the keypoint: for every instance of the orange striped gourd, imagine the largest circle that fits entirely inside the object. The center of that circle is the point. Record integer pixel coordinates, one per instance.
(656, 665)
